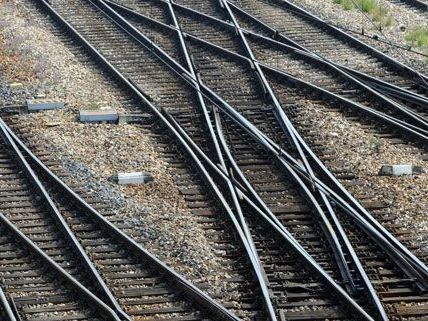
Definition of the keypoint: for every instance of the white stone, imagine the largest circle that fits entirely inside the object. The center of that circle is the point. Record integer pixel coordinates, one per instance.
(16, 86)
(109, 115)
(43, 104)
(398, 170)
(133, 178)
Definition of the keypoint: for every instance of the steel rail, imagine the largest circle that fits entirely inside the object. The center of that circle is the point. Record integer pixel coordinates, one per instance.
(171, 63)
(121, 8)
(418, 4)
(104, 309)
(182, 284)
(410, 264)
(7, 308)
(253, 255)
(227, 24)
(395, 255)
(302, 54)
(387, 119)
(383, 86)
(406, 260)
(382, 117)
(380, 89)
(340, 292)
(188, 289)
(13, 306)
(337, 68)
(283, 232)
(378, 85)
(419, 77)
(347, 243)
(328, 228)
(403, 257)
(223, 174)
(349, 199)
(261, 273)
(247, 187)
(375, 83)
(124, 80)
(104, 292)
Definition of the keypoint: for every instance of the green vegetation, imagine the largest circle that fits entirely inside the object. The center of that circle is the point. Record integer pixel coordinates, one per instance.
(418, 37)
(375, 144)
(346, 4)
(379, 14)
(367, 5)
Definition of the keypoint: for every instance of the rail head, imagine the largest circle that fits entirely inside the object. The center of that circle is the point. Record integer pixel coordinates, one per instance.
(191, 291)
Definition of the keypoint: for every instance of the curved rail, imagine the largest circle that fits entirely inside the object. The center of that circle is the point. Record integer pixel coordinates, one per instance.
(172, 64)
(205, 90)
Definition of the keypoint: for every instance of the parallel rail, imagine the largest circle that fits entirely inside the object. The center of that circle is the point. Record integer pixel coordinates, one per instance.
(101, 238)
(420, 5)
(308, 70)
(232, 130)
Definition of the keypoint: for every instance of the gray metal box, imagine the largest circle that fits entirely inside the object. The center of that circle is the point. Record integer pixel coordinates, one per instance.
(134, 178)
(109, 115)
(398, 170)
(43, 104)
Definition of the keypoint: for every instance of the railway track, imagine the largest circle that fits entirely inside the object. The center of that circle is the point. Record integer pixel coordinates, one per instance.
(144, 286)
(420, 6)
(280, 57)
(313, 34)
(290, 285)
(238, 294)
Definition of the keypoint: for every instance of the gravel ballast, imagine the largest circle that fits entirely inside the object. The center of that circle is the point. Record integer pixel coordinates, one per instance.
(364, 153)
(93, 153)
(404, 20)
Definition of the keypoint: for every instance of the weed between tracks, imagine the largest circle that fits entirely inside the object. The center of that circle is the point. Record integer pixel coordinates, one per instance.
(379, 14)
(418, 37)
